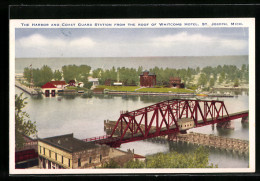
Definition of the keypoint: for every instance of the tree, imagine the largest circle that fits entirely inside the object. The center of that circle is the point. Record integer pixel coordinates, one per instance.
(194, 159)
(211, 82)
(236, 83)
(46, 74)
(111, 164)
(57, 75)
(134, 164)
(23, 126)
(202, 79)
(27, 74)
(87, 84)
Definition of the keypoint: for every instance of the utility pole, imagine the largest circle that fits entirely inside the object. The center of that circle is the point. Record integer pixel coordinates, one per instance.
(31, 76)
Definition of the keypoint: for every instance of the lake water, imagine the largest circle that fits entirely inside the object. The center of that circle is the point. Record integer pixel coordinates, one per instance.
(85, 118)
(135, 62)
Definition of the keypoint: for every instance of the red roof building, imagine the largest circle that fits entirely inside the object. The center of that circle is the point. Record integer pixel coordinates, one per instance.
(48, 89)
(59, 84)
(48, 85)
(72, 83)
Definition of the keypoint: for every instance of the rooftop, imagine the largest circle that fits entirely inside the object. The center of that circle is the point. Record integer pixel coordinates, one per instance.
(48, 85)
(69, 143)
(58, 82)
(149, 73)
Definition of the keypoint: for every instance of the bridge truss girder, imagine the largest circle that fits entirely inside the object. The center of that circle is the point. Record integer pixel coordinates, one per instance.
(162, 118)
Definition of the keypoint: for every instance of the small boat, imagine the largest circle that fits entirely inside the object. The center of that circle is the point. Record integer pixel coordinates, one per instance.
(204, 95)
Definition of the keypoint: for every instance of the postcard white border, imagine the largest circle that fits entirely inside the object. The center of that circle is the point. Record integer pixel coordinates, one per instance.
(151, 23)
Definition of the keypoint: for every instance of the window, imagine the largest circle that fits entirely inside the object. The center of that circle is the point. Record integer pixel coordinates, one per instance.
(79, 163)
(55, 156)
(69, 163)
(50, 153)
(61, 159)
(100, 157)
(90, 159)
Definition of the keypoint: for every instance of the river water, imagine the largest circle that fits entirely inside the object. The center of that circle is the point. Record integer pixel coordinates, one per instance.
(85, 118)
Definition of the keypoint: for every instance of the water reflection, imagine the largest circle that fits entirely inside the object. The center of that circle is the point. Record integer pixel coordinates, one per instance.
(224, 132)
(38, 96)
(245, 125)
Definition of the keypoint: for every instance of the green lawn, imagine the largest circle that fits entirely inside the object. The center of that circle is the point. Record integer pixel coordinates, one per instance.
(76, 88)
(133, 88)
(119, 88)
(176, 90)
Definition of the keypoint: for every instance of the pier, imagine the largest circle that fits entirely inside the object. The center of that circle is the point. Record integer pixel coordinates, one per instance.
(28, 90)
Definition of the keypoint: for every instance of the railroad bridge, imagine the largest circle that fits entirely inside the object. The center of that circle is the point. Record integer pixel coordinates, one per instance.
(166, 118)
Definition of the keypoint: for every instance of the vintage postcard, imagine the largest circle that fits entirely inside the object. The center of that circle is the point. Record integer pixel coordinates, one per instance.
(102, 96)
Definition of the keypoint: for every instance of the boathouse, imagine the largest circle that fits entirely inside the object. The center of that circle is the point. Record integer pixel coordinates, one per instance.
(59, 84)
(147, 79)
(176, 82)
(48, 89)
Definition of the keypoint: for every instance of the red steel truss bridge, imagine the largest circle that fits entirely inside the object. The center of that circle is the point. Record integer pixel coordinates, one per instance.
(163, 118)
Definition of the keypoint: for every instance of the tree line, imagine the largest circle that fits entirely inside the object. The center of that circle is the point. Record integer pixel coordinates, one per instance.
(68, 72)
(208, 76)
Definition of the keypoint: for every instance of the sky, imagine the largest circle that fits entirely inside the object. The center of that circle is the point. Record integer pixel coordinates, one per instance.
(130, 42)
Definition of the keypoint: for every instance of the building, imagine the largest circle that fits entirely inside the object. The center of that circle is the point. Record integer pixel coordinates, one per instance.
(65, 151)
(72, 83)
(147, 79)
(94, 81)
(48, 89)
(176, 82)
(27, 155)
(59, 84)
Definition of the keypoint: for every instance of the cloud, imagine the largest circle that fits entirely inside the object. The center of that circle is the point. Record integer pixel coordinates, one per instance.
(184, 39)
(51, 46)
(180, 44)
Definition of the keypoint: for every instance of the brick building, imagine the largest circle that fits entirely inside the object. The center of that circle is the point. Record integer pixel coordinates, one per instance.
(65, 151)
(176, 82)
(147, 79)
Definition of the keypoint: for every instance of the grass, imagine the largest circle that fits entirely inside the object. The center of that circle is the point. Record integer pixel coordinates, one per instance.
(76, 88)
(119, 88)
(133, 88)
(175, 90)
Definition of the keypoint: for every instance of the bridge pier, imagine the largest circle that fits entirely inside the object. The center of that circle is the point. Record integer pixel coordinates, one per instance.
(225, 125)
(244, 119)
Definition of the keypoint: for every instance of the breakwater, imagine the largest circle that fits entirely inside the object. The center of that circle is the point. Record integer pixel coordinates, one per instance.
(28, 90)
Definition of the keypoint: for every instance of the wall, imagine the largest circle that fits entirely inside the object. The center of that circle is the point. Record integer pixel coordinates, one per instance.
(60, 153)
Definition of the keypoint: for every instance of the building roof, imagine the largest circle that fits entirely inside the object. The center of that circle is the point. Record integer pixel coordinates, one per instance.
(58, 82)
(149, 73)
(48, 85)
(138, 156)
(72, 81)
(91, 79)
(69, 143)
